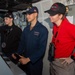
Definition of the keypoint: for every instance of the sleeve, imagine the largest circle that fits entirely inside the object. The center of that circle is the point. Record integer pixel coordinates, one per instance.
(42, 46)
(72, 34)
(21, 44)
(16, 39)
(19, 32)
(72, 31)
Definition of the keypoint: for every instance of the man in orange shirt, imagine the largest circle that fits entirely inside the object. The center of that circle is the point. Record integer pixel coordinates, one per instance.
(63, 40)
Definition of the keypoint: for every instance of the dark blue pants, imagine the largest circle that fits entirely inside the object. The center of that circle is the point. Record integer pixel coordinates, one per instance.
(33, 69)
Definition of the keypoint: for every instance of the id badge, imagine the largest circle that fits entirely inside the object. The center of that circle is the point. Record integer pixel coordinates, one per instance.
(3, 45)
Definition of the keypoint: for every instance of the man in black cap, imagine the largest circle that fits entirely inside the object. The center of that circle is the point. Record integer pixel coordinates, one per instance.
(33, 43)
(10, 35)
(63, 40)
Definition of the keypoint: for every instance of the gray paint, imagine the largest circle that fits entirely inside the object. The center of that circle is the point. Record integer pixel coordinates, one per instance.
(4, 69)
(72, 12)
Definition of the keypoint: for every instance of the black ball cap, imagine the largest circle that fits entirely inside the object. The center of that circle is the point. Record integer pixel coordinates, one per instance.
(9, 15)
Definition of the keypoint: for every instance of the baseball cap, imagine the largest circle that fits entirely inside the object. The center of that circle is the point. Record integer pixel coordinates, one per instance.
(31, 10)
(57, 8)
(10, 15)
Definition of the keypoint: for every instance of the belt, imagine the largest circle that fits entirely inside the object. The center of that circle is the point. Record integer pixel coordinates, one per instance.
(59, 59)
(64, 61)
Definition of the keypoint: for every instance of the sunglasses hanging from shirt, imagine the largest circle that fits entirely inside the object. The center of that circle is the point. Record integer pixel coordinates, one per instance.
(51, 52)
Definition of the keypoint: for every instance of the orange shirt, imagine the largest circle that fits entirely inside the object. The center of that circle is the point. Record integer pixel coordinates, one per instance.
(64, 39)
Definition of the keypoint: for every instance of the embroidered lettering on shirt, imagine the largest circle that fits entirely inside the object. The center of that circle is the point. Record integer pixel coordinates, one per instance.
(36, 33)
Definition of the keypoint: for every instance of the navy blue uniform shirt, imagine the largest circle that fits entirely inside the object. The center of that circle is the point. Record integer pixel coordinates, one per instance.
(33, 42)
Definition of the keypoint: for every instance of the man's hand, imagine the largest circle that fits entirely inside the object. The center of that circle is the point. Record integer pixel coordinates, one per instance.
(24, 60)
(67, 61)
(14, 56)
